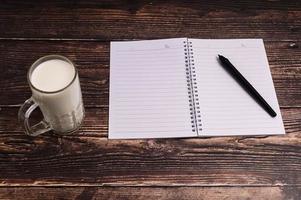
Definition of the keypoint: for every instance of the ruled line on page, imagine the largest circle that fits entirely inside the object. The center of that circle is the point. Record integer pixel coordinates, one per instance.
(148, 82)
(224, 104)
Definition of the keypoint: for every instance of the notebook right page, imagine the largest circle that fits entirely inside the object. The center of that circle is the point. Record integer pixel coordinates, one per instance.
(225, 107)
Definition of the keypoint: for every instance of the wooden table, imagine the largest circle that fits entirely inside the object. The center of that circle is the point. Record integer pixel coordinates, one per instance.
(87, 165)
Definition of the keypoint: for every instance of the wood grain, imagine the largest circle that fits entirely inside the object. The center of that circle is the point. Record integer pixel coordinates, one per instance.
(81, 30)
(89, 158)
(96, 120)
(158, 193)
(92, 60)
(111, 20)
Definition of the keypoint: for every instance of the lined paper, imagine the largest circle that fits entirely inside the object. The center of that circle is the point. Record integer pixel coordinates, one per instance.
(226, 109)
(148, 90)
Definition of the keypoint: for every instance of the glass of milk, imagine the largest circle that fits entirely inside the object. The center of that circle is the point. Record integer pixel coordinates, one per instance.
(55, 87)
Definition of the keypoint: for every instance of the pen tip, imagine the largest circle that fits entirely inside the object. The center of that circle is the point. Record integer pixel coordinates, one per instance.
(222, 58)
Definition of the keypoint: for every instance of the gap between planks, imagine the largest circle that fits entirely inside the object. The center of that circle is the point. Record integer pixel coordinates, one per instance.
(171, 185)
(107, 40)
(107, 106)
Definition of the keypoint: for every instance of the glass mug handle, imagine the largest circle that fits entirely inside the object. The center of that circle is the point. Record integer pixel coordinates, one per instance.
(24, 113)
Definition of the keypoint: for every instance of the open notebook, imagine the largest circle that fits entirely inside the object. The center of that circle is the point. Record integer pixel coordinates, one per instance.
(176, 88)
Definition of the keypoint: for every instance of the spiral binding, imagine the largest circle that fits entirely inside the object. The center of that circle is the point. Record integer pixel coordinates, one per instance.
(194, 105)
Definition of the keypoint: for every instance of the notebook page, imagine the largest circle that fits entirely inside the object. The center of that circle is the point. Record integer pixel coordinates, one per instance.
(226, 108)
(148, 90)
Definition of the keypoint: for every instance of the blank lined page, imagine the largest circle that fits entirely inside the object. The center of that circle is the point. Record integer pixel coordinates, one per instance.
(148, 90)
(226, 108)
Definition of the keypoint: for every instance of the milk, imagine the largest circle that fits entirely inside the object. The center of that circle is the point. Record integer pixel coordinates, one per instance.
(56, 89)
(52, 75)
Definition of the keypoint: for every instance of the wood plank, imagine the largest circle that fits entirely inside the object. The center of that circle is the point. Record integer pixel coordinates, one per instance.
(96, 120)
(89, 158)
(92, 60)
(111, 20)
(158, 193)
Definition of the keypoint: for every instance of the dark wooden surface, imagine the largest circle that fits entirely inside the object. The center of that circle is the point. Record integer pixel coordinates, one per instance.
(89, 166)
(157, 193)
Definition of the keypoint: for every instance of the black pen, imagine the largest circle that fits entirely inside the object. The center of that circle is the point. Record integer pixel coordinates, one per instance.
(246, 85)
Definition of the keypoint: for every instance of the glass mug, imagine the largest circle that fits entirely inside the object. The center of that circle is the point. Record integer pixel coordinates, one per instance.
(55, 87)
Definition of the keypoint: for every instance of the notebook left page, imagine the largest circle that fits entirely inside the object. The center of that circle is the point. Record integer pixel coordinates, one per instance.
(148, 90)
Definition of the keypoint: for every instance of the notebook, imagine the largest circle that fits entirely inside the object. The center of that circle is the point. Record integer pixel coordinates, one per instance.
(177, 88)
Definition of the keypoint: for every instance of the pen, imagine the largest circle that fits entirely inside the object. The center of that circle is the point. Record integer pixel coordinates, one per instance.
(246, 85)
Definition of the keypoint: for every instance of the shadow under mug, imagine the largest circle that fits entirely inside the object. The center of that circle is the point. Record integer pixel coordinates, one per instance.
(63, 109)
